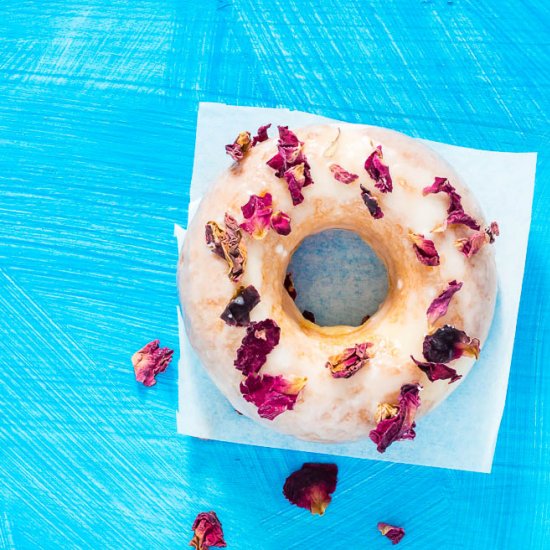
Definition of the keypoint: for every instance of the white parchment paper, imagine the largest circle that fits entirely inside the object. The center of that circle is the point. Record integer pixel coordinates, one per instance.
(462, 432)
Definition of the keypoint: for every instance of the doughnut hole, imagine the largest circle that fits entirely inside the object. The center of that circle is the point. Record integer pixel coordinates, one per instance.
(338, 277)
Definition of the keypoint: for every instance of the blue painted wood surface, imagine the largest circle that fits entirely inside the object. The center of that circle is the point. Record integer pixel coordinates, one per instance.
(98, 101)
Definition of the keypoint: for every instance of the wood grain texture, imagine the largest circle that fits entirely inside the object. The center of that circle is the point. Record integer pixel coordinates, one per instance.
(97, 117)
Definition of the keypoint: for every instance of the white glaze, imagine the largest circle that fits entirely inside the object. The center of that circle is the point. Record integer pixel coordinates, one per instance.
(343, 409)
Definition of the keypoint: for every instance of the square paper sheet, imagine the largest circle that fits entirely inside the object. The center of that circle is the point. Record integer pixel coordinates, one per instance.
(462, 432)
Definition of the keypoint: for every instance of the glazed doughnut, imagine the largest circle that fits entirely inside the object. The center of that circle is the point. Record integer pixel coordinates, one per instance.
(337, 383)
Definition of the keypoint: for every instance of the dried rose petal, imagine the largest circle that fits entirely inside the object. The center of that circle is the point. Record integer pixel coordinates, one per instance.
(371, 203)
(261, 135)
(281, 223)
(273, 395)
(401, 426)
(348, 362)
(311, 486)
(289, 286)
(208, 532)
(309, 315)
(296, 180)
(456, 214)
(258, 343)
(228, 245)
(424, 249)
(257, 213)
(439, 306)
(448, 343)
(395, 534)
(239, 147)
(149, 361)
(378, 171)
(459, 217)
(473, 244)
(437, 371)
(342, 175)
(237, 311)
(442, 185)
(291, 163)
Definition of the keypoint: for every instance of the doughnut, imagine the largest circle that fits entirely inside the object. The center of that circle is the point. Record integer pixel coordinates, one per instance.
(337, 383)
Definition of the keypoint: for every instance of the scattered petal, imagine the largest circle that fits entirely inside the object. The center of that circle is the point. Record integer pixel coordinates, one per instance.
(289, 286)
(448, 343)
(401, 426)
(311, 486)
(149, 361)
(459, 217)
(348, 362)
(424, 249)
(291, 163)
(273, 395)
(261, 135)
(371, 203)
(237, 311)
(437, 371)
(257, 213)
(395, 534)
(438, 308)
(228, 245)
(456, 214)
(208, 532)
(296, 180)
(342, 175)
(239, 147)
(378, 171)
(281, 223)
(259, 341)
(471, 245)
(309, 315)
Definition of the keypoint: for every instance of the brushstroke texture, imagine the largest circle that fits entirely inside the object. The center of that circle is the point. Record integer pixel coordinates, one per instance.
(97, 116)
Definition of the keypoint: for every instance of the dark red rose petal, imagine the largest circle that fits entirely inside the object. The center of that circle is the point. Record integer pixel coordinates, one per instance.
(424, 249)
(448, 343)
(261, 135)
(273, 395)
(309, 315)
(289, 286)
(208, 532)
(342, 175)
(471, 245)
(456, 214)
(395, 534)
(349, 361)
(311, 486)
(401, 426)
(281, 223)
(259, 341)
(296, 180)
(437, 371)
(237, 311)
(239, 147)
(291, 164)
(257, 213)
(378, 171)
(459, 217)
(438, 308)
(149, 361)
(371, 203)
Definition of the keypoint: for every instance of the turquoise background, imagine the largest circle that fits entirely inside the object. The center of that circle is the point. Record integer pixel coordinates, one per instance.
(98, 103)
